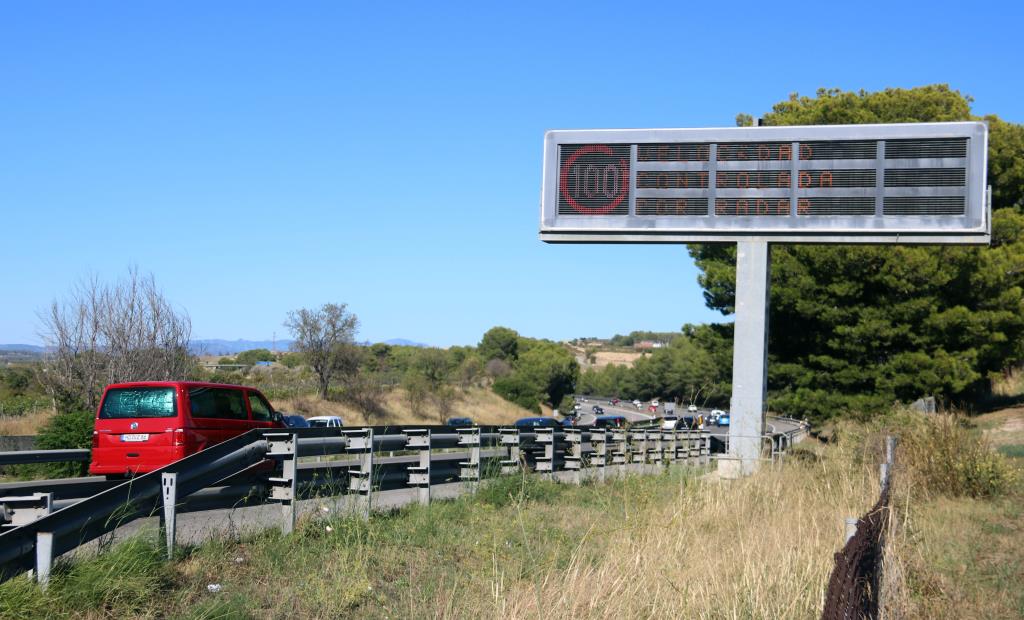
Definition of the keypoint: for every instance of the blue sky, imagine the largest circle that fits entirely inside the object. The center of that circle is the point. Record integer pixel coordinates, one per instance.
(258, 157)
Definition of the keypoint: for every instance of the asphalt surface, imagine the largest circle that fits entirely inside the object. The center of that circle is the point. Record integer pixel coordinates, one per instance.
(773, 425)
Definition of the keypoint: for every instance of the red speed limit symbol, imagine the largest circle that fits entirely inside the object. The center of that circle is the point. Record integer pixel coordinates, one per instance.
(592, 181)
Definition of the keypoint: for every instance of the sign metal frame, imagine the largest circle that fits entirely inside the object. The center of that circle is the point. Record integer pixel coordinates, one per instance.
(973, 227)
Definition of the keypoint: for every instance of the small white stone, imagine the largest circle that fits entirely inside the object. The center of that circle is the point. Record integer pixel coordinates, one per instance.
(330, 529)
(213, 588)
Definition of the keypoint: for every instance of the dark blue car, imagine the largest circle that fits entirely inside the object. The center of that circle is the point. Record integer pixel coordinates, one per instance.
(295, 421)
(538, 422)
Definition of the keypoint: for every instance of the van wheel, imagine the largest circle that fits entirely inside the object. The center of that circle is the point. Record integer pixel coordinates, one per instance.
(116, 477)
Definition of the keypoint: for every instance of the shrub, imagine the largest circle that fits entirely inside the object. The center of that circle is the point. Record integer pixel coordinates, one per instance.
(942, 454)
(64, 431)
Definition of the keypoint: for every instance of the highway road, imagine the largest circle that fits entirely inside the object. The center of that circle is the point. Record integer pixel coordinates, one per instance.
(773, 424)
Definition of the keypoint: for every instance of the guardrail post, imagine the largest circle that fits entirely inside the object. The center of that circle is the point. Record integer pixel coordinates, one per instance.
(620, 450)
(637, 449)
(419, 475)
(655, 455)
(599, 452)
(692, 449)
(469, 471)
(169, 484)
(510, 439)
(668, 442)
(283, 447)
(705, 447)
(44, 557)
(360, 442)
(546, 463)
(574, 454)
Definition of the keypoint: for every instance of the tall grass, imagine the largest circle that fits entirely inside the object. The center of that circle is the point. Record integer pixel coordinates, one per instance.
(683, 544)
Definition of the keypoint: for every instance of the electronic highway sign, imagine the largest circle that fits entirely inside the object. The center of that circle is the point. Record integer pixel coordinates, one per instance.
(901, 183)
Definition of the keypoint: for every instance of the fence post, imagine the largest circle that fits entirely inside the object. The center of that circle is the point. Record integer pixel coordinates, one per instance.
(419, 474)
(705, 447)
(546, 463)
(469, 471)
(169, 483)
(361, 442)
(284, 448)
(574, 453)
(510, 439)
(851, 529)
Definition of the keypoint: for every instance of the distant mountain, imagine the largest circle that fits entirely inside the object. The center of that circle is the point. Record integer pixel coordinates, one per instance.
(22, 348)
(402, 342)
(215, 346)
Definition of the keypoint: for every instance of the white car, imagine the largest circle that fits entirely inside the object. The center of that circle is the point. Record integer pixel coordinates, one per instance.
(692, 408)
(326, 421)
(668, 423)
(638, 404)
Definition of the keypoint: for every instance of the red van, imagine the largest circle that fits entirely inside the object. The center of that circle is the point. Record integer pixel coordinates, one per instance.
(143, 426)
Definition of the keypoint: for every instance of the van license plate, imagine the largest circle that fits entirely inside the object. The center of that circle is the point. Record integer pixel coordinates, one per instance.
(135, 437)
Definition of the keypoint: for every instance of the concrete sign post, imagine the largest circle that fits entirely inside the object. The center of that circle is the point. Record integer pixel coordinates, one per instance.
(915, 183)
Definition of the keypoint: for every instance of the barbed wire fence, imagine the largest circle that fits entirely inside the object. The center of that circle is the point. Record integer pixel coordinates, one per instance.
(855, 588)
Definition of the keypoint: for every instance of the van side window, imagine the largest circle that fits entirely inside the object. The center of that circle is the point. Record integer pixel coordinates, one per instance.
(260, 408)
(217, 403)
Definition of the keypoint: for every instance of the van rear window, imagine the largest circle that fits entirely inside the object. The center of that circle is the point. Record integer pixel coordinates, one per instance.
(139, 402)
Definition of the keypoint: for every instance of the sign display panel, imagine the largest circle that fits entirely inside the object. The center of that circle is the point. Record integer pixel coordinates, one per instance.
(904, 183)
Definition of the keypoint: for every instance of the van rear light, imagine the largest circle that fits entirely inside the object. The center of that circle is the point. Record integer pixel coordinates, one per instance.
(95, 439)
(178, 438)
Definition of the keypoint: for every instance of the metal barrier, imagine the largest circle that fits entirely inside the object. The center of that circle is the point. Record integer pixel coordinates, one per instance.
(40, 526)
(22, 457)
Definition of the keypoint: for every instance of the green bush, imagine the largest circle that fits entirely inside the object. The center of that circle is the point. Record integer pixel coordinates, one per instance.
(22, 404)
(943, 455)
(64, 431)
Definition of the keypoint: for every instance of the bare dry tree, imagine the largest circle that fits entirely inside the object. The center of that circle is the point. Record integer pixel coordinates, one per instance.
(103, 333)
(326, 337)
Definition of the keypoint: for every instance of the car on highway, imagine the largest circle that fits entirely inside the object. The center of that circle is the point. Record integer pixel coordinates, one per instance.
(295, 421)
(460, 422)
(638, 404)
(615, 401)
(669, 422)
(610, 421)
(692, 408)
(723, 419)
(597, 409)
(326, 421)
(537, 422)
(143, 426)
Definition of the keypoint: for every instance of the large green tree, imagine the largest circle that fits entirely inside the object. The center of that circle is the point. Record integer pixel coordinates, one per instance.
(544, 372)
(857, 328)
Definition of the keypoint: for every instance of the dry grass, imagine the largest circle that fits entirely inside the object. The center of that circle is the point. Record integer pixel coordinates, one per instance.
(1010, 384)
(621, 358)
(754, 548)
(482, 405)
(27, 424)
